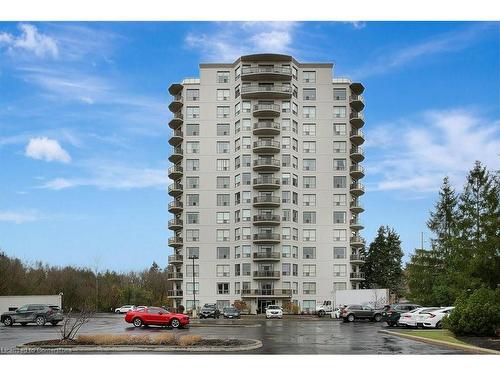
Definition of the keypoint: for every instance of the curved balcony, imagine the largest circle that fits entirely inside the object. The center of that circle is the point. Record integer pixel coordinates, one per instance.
(357, 241)
(357, 276)
(355, 224)
(357, 258)
(357, 88)
(174, 275)
(356, 119)
(357, 171)
(176, 121)
(176, 138)
(175, 241)
(176, 104)
(357, 137)
(266, 201)
(272, 275)
(266, 183)
(175, 224)
(357, 154)
(175, 259)
(174, 293)
(266, 73)
(356, 207)
(175, 172)
(268, 91)
(266, 164)
(266, 128)
(357, 189)
(357, 102)
(175, 189)
(275, 293)
(175, 207)
(266, 110)
(266, 147)
(177, 155)
(267, 256)
(267, 220)
(175, 88)
(266, 238)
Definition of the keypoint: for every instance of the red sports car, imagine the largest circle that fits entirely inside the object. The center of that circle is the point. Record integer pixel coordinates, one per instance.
(156, 316)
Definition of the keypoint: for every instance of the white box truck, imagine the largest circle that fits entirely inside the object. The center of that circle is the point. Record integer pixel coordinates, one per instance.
(377, 298)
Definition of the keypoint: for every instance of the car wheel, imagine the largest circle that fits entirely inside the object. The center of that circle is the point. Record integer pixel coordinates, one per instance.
(40, 321)
(321, 313)
(175, 323)
(137, 322)
(54, 323)
(351, 318)
(391, 324)
(377, 317)
(7, 321)
(439, 325)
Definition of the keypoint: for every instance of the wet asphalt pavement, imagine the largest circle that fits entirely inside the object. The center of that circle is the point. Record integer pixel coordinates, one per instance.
(288, 336)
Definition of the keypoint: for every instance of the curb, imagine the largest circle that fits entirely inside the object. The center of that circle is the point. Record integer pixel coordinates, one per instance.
(255, 344)
(473, 349)
(224, 325)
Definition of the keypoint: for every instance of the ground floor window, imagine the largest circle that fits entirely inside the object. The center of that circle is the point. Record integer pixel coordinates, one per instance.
(222, 303)
(308, 305)
(222, 288)
(190, 304)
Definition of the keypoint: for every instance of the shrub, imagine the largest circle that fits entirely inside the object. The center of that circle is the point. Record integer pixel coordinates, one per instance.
(187, 340)
(180, 309)
(164, 339)
(240, 305)
(477, 314)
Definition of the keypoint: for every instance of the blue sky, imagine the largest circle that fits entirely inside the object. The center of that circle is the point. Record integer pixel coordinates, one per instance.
(83, 114)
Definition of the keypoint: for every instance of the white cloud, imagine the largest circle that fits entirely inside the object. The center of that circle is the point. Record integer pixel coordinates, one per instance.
(43, 148)
(30, 40)
(358, 25)
(18, 217)
(418, 153)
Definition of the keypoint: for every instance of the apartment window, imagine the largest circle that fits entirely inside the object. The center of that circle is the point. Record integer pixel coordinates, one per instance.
(285, 124)
(246, 160)
(246, 124)
(339, 252)
(222, 182)
(245, 285)
(192, 94)
(222, 147)
(246, 269)
(309, 253)
(246, 107)
(222, 235)
(286, 269)
(286, 233)
(237, 72)
(193, 217)
(192, 112)
(192, 200)
(222, 129)
(192, 235)
(286, 197)
(295, 269)
(295, 162)
(309, 129)
(339, 147)
(295, 110)
(339, 112)
(189, 269)
(237, 219)
(222, 288)
(309, 288)
(246, 215)
(237, 269)
(339, 217)
(247, 233)
(309, 112)
(192, 147)
(192, 129)
(295, 144)
(237, 288)
(309, 94)
(246, 143)
(309, 182)
(339, 129)
(193, 252)
(339, 286)
(285, 178)
(246, 196)
(309, 147)
(237, 127)
(339, 164)
(286, 251)
(223, 270)
(295, 215)
(309, 217)
(222, 164)
(237, 252)
(237, 109)
(223, 112)
(309, 164)
(339, 270)
(309, 235)
(286, 285)
(309, 200)
(295, 91)
(192, 165)
(339, 182)
(222, 77)
(295, 197)
(192, 182)
(237, 162)
(339, 199)
(295, 72)
(339, 235)
(189, 288)
(339, 94)
(309, 270)
(223, 199)
(246, 251)
(222, 94)
(285, 107)
(309, 77)
(285, 160)
(295, 126)
(295, 289)
(222, 217)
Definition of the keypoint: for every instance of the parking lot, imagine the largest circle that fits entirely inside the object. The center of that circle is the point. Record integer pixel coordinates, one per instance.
(305, 335)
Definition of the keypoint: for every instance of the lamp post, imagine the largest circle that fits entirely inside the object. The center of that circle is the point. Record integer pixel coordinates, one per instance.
(193, 257)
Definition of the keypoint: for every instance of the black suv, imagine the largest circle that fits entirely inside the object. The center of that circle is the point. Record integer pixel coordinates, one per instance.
(39, 314)
(209, 310)
(392, 313)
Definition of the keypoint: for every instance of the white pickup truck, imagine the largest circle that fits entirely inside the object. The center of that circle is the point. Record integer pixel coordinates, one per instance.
(325, 308)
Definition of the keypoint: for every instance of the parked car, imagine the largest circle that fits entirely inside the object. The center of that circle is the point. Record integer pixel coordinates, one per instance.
(231, 313)
(324, 308)
(335, 314)
(39, 314)
(352, 312)
(209, 310)
(415, 316)
(434, 319)
(274, 311)
(392, 313)
(156, 316)
(124, 309)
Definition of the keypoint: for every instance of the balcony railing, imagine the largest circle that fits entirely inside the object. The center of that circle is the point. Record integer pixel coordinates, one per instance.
(266, 218)
(175, 206)
(267, 255)
(266, 144)
(266, 69)
(357, 240)
(267, 162)
(175, 241)
(267, 199)
(267, 90)
(264, 107)
(357, 186)
(357, 275)
(175, 223)
(174, 293)
(357, 169)
(174, 275)
(357, 257)
(175, 258)
(267, 292)
(266, 274)
(267, 181)
(266, 237)
(266, 125)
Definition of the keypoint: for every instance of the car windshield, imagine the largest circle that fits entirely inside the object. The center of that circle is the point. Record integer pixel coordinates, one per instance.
(273, 307)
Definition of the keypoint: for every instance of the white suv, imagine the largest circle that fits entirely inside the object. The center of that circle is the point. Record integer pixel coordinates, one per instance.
(124, 309)
(274, 311)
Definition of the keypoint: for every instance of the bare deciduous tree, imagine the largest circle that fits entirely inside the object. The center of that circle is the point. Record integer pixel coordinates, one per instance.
(73, 322)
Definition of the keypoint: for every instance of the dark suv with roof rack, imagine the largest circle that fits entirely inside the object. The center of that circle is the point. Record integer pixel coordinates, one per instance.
(39, 314)
(392, 313)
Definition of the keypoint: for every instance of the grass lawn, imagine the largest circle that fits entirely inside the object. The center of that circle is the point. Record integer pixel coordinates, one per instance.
(437, 334)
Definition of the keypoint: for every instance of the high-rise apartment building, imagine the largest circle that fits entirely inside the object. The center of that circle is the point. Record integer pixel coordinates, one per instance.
(266, 184)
